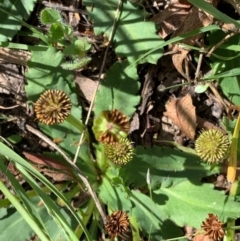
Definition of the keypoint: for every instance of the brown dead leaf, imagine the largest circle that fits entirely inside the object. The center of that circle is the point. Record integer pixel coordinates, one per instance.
(55, 175)
(202, 237)
(226, 27)
(195, 19)
(86, 86)
(182, 113)
(61, 171)
(182, 18)
(171, 18)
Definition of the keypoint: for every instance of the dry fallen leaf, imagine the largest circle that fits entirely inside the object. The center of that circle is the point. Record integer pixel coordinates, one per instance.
(61, 171)
(195, 19)
(202, 237)
(86, 86)
(182, 18)
(171, 18)
(56, 175)
(182, 113)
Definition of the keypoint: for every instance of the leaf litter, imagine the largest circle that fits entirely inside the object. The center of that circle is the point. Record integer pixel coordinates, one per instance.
(182, 113)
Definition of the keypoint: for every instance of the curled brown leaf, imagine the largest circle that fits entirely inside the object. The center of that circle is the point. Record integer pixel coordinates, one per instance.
(182, 113)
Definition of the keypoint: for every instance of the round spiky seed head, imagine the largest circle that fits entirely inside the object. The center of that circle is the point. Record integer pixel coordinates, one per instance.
(212, 146)
(52, 107)
(117, 223)
(110, 126)
(120, 152)
(213, 227)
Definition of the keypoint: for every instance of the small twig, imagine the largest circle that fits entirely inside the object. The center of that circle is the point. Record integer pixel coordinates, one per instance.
(99, 78)
(8, 143)
(220, 43)
(69, 161)
(8, 119)
(198, 66)
(218, 96)
(187, 71)
(9, 108)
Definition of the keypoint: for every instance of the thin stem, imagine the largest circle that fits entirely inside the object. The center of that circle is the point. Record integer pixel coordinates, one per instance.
(233, 227)
(117, 14)
(150, 192)
(218, 96)
(230, 233)
(178, 238)
(75, 167)
(198, 66)
(220, 43)
(87, 215)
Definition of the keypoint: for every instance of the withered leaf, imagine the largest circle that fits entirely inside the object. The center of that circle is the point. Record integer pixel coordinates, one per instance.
(182, 113)
(202, 237)
(179, 18)
(171, 18)
(61, 171)
(86, 86)
(196, 18)
(56, 175)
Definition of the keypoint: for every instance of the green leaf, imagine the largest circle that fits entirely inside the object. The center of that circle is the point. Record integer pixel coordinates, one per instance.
(14, 227)
(9, 26)
(78, 47)
(76, 64)
(135, 228)
(14, 139)
(167, 167)
(227, 71)
(200, 88)
(44, 70)
(36, 220)
(134, 35)
(114, 196)
(119, 90)
(50, 16)
(56, 32)
(151, 218)
(9, 228)
(186, 203)
(25, 168)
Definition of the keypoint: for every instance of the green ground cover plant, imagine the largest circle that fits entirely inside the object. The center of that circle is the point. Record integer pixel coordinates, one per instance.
(159, 187)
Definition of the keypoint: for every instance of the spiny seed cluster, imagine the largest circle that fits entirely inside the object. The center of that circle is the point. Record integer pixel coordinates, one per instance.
(120, 153)
(52, 107)
(213, 227)
(117, 223)
(118, 118)
(212, 146)
(109, 126)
